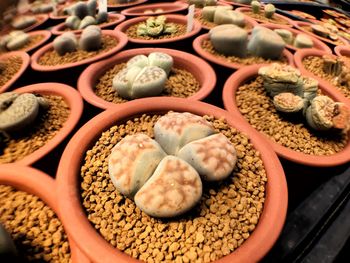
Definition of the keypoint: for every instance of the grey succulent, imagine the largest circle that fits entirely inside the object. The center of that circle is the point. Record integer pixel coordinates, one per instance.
(65, 43)
(303, 41)
(24, 22)
(288, 102)
(91, 38)
(87, 21)
(224, 16)
(255, 7)
(269, 10)
(286, 35)
(101, 17)
(72, 22)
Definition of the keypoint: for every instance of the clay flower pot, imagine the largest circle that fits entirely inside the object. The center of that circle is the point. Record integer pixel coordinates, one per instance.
(97, 249)
(305, 27)
(242, 76)
(342, 51)
(235, 4)
(61, 28)
(197, 45)
(74, 102)
(219, 3)
(37, 183)
(298, 59)
(245, 10)
(110, 4)
(250, 23)
(25, 62)
(122, 41)
(180, 19)
(201, 70)
(41, 20)
(166, 7)
(318, 44)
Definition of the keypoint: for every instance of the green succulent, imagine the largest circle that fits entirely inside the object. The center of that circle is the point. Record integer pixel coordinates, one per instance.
(156, 26)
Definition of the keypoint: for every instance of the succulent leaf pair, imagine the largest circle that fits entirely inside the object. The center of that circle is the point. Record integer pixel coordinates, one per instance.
(14, 41)
(23, 22)
(300, 41)
(167, 186)
(156, 26)
(202, 3)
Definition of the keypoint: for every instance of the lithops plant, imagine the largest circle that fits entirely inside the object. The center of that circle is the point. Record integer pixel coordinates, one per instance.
(87, 21)
(265, 43)
(65, 43)
(91, 38)
(320, 30)
(208, 12)
(101, 17)
(17, 111)
(14, 41)
(174, 130)
(23, 22)
(223, 16)
(174, 188)
(286, 35)
(156, 26)
(132, 162)
(332, 65)
(136, 82)
(255, 7)
(303, 41)
(229, 40)
(91, 7)
(214, 157)
(344, 77)
(269, 10)
(202, 3)
(158, 59)
(72, 22)
(279, 78)
(80, 9)
(310, 86)
(288, 102)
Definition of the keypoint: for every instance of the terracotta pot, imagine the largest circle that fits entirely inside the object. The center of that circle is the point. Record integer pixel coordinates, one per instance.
(119, 6)
(298, 59)
(37, 183)
(197, 45)
(166, 7)
(342, 51)
(318, 44)
(201, 70)
(122, 41)
(45, 33)
(180, 19)
(247, 19)
(75, 103)
(41, 20)
(235, 4)
(244, 10)
(302, 14)
(219, 2)
(99, 250)
(25, 62)
(300, 25)
(61, 28)
(229, 97)
(60, 8)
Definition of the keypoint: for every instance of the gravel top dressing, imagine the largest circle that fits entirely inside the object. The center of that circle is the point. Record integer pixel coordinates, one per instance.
(225, 217)
(258, 109)
(37, 232)
(9, 67)
(260, 16)
(180, 83)
(23, 143)
(212, 24)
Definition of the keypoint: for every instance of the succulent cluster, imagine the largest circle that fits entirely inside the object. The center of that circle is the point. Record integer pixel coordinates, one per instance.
(90, 40)
(13, 41)
(202, 3)
(293, 93)
(163, 175)
(232, 40)
(143, 76)
(335, 66)
(223, 15)
(269, 9)
(84, 14)
(18, 111)
(38, 7)
(328, 31)
(23, 22)
(156, 26)
(300, 41)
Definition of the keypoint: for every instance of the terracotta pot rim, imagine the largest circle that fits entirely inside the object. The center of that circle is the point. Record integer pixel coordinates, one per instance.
(43, 17)
(212, 58)
(35, 182)
(340, 49)
(239, 77)
(172, 18)
(75, 103)
(45, 33)
(59, 29)
(99, 250)
(320, 45)
(122, 41)
(25, 63)
(92, 73)
(234, 3)
(135, 11)
(290, 21)
(137, 2)
(299, 24)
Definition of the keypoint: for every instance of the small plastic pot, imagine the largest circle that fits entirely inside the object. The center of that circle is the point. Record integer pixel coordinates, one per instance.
(197, 45)
(25, 63)
(75, 103)
(318, 44)
(167, 8)
(229, 97)
(37, 183)
(120, 6)
(97, 249)
(180, 19)
(122, 41)
(201, 70)
(61, 28)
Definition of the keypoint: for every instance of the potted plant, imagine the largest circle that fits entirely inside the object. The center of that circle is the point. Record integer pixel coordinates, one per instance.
(39, 193)
(143, 113)
(49, 128)
(119, 4)
(245, 97)
(155, 9)
(95, 83)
